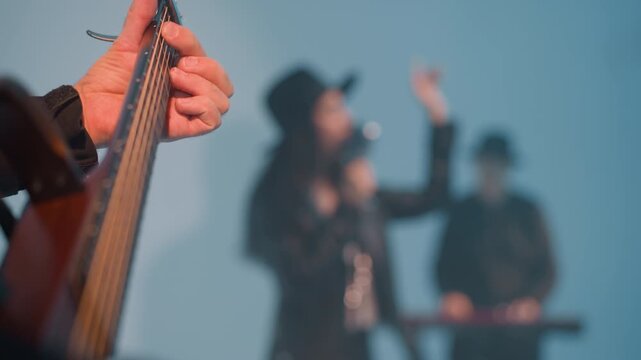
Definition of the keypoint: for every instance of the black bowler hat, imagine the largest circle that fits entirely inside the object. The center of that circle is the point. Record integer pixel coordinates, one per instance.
(292, 99)
(496, 145)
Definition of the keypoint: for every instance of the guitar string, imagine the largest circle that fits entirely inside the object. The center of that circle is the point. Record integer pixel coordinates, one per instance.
(123, 244)
(160, 101)
(89, 292)
(126, 219)
(117, 222)
(121, 259)
(88, 299)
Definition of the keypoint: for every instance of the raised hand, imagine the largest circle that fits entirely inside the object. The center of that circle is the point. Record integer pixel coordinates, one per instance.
(201, 86)
(425, 82)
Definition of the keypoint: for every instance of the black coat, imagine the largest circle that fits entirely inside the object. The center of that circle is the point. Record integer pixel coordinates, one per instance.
(65, 108)
(496, 255)
(305, 249)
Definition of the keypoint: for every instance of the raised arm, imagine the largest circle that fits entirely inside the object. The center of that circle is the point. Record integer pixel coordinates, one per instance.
(435, 193)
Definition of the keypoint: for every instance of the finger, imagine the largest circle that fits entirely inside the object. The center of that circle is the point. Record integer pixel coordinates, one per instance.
(182, 39)
(196, 85)
(138, 19)
(192, 117)
(200, 107)
(209, 69)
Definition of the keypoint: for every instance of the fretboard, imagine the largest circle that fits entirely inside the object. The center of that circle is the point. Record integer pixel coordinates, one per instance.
(111, 236)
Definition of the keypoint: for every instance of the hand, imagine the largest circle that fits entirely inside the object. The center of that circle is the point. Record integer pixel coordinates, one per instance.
(524, 310)
(360, 182)
(426, 89)
(201, 88)
(457, 306)
(325, 197)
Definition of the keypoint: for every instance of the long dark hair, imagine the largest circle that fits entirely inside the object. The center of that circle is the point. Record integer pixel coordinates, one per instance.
(283, 190)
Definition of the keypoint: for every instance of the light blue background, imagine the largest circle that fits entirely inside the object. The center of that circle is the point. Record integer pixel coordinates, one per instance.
(561, 75)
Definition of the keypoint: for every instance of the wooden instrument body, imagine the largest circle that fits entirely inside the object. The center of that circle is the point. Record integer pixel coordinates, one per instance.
(46, 271)
(47, 243)
(43, 243)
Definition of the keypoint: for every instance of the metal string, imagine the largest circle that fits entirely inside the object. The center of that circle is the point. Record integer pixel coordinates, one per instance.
(114, 242)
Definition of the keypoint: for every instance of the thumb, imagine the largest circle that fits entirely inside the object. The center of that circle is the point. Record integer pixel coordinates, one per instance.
(138, 19)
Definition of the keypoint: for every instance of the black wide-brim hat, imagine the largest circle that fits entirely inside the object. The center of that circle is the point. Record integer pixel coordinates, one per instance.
(496, 145)
(292, 99)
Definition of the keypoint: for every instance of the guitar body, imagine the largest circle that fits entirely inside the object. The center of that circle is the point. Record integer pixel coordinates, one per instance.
(49, 238)
(36, 271)
(63, 280)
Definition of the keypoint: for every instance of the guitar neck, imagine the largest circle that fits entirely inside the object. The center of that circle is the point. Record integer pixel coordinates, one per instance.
(142, 120)
(111, 235)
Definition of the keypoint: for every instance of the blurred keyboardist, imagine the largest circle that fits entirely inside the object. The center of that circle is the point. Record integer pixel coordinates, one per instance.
(495, 255)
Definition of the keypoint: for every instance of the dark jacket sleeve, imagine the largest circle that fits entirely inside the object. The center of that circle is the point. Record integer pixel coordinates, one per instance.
(448, 273)
(544, 272)
(65, 108)
(436, 192)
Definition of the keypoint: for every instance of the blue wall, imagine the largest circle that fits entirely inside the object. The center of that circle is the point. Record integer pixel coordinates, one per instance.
(562, 76)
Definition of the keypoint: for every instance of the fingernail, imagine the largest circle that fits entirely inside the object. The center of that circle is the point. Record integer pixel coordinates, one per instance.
(170, 30)
(176, 71)
(191, 61)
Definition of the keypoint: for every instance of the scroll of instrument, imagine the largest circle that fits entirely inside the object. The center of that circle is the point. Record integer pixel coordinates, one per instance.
(65, 273)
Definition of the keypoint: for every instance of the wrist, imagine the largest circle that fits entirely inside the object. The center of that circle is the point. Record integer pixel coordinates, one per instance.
(438, 118)
(89, 123)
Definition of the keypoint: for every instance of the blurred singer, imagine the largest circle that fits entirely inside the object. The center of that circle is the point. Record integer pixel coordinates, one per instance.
(305, 218)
